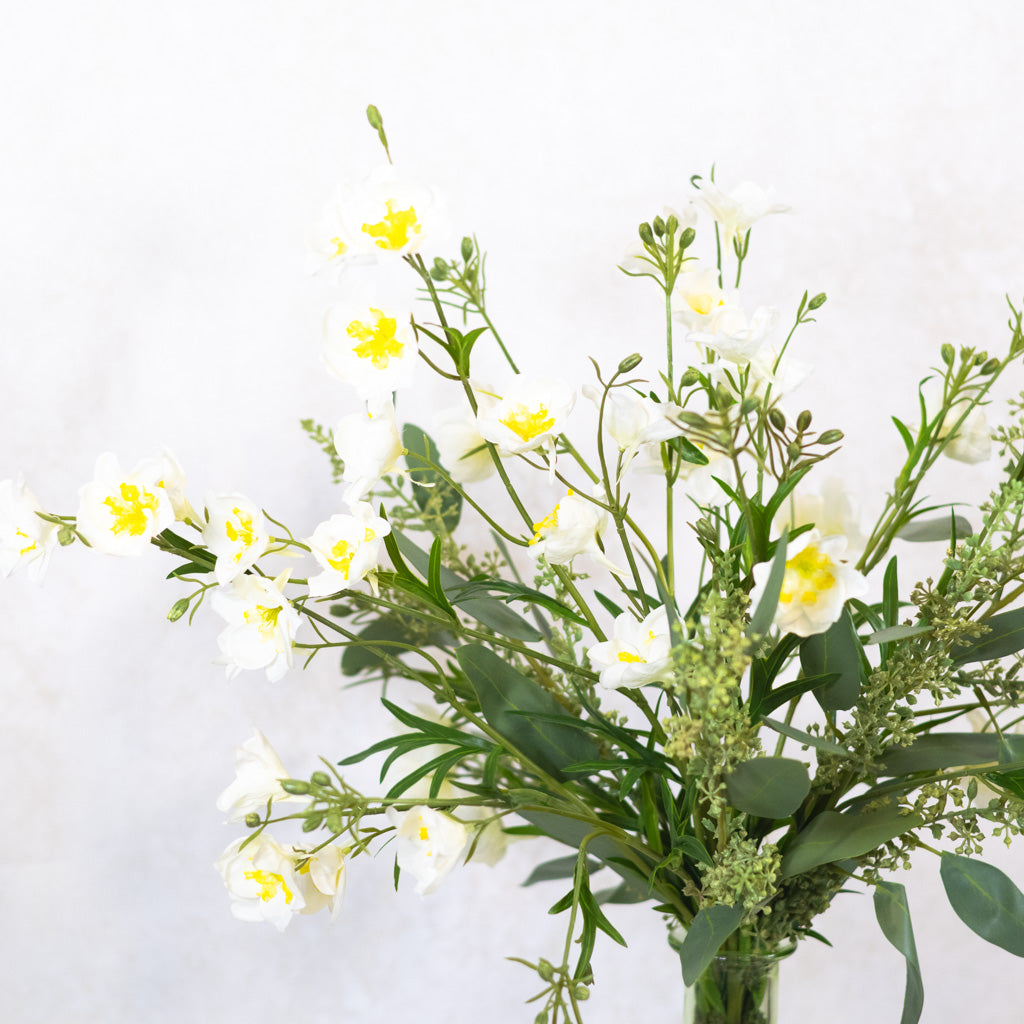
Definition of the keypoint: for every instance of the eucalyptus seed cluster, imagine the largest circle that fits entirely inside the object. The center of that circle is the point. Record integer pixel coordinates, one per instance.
(797, 902)
(743, 873)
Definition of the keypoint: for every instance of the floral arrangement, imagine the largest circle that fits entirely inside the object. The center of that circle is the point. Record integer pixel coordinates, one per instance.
(734, 748)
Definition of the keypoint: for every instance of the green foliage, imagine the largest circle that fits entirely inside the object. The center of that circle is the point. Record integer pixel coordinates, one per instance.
(893, 914)
(769, 787)
(709, 929)
(985, 900)
(836, 651)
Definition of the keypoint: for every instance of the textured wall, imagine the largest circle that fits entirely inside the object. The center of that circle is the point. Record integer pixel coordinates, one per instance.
(161, 164)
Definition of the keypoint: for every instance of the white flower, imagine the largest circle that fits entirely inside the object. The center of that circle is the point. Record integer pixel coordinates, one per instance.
(733, 335)
(261, 625)
(372, 349)
(428, 844)
(235, 533)
(633, 419)
(573, 527)
(347, 548)
(258, 771)
(25, 539)
(637, 653)
(369, 445)
(972, 441)
(325, 871)
(529, 415)
(261, 881)
(462, 449)
(119, 513)
(700, 483)
(172, 479)
(380, 216)
(831, 512)
(697, 296)
(736, 210)
(817, 583)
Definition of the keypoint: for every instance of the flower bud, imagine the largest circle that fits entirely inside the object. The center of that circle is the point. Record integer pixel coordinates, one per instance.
(831, 437)
(295, 787)
(178, 609)
(545, 969)
(582, 993)
(646, 234)
(320, 779)
(312, 822)
(818, 301)
(334, 820)
(776, 418)
(672, 225)
(373, 116)
(947, 354)
(686, 238)
(794, 449)
(689, 378)
(803, 421)
(659, 226)
(65, 536)
(467, 248)
(541, 1018)
(990, 367)
(748, 406)
(439, 272)
(252, 819)
(980, 358)
(630, 362)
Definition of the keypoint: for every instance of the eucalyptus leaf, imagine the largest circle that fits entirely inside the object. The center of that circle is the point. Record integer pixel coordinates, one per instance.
(432, 489)
(818, 742)
(769, 787)
(831, 836)
(708, 930)
(923, 530)
(837, 650)
(891, 633)
(986, 900)
(893, 914)
(1005, 636)
(936, 751)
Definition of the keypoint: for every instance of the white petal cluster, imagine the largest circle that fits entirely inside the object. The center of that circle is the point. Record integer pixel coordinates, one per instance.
(573, 527)
(369, 445)
(371, 348)
(972, 442)
(258, 771)
(733, 335)
(347, 549)
(120, 513)
(638, 652)
(830, 512)
(817, 583)
(739, 208)
(25, 539)
(461, 446)
(235, 533)
(697, 297)
(530, 413)
(634, 420)
(428, 844)
(261, 625)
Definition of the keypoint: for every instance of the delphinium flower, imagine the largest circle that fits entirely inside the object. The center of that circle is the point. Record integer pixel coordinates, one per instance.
(25, 539)
(639, 651)
(119, 513)
(347, 549)
(235, 533)
(261, 625)
(369, 445)
(258, 771)
(818, 581)
(429, 843)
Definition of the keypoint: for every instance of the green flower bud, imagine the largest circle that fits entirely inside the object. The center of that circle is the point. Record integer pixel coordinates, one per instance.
(794, 449)
(646, 234)
(689, 378)
(803, 421)
(295, 787)
(990, 367)
(334, 820)
(630, 362)
(818, 301)
(831, 437)
(686, 238)
(178, 609)
(947, 353)
(373, 116)
(541, 1018)
(467, 248)
(252, 819)
(439, 273)
(672, 225)
(320, 779)
(545, 969)
(659, 226)
(776, 418)
(748, 406)
(65, 536)
(312, 822)
(582, 993)
(980, 358)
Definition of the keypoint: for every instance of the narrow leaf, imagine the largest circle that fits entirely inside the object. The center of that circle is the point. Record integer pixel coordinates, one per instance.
(1005, 636)
(923, 530)
(937, 751)
(766, 607)
(893, 914)
(818, 742)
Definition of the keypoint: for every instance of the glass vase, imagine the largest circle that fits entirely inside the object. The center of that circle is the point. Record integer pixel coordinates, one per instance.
(736, 988)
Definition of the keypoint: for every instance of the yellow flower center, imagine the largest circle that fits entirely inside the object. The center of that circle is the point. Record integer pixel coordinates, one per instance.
(397, 228)
(807, 574)
(270, 884)
(265, 619)
(527, 425)
(339, 248)
(242, 534)
(424, 834)
(377, 341)
(341, 557)
(549, 522)
(700, 303)
(631, 659)
(129, 511)
(31, 546)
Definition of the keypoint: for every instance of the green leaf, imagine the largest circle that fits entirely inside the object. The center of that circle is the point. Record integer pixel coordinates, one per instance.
(937, 751)
(835, 650)
(508, 699)
(985, 900)
(893, 914)
(708, 930)
(1011, 751)
(515, 592)
(188, 568)
(432, 489)
(693, 848)
(1005, 636)
(784, 694)
(766, 607)
(559, 868)
(818, 742)
(923, 530)
(885, 636)
(689, 452)
(831, 836)
(362, 657)
(908, 438)
(608, 604)
(769, 787)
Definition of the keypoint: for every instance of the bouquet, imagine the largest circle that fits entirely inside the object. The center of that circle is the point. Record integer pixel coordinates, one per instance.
(690, 669)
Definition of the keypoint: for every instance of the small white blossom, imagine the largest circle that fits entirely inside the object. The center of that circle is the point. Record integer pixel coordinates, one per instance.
(235, 533)
(261, 625)
(697, 297)
(733, 335)
(428, 844)
(325, 871)
(831, 512)
(372, 349)
(262, 881)
(461, 446)
(258, 771)
(347, 548)
(120, 513)
(573, 527)
(529, 415)
(736, 210)
(634, 420)
(817, 583)
(637, 653)
(972, 442)
(369, 445)
(25, 539)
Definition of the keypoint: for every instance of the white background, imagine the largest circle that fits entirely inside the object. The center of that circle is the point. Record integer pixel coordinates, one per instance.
(161, 166)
